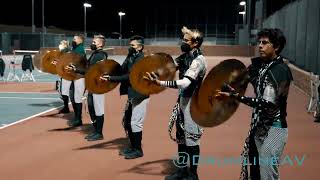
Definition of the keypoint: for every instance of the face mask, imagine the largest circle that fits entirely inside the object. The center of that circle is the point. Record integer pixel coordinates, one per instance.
(185, 47)
(131, 50)
(61, 47)
(74, 44)
(93, 47)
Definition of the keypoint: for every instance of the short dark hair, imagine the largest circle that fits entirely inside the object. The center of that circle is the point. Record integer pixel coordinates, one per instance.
(101, 37)
(275, 36)
(138, 38)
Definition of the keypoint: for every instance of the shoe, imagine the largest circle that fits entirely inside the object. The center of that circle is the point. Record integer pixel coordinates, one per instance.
(75, 123)
(69, 122)
(317, 119)
(134, 154)
(178, 175)
(125, 151)
(64, 110)
(95, 137)
(89, 135)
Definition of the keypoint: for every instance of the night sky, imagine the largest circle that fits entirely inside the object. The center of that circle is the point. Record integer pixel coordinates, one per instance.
(141, 15)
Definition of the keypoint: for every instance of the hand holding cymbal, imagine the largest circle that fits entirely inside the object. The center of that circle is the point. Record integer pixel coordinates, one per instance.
(153, 77)
(146, 74)
(97, 77)
(71, 67)
(105, 77)
(54, 62)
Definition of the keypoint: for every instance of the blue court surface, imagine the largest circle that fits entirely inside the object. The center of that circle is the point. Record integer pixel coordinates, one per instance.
(21, 106)
(16, 106)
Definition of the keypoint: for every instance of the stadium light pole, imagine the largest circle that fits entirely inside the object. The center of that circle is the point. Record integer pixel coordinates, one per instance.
(120, 15)
(243, 3)
(33, 28)
(43, 30)
(86, 5)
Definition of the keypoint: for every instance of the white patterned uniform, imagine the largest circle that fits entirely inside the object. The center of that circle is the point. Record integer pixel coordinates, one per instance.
(197, 69)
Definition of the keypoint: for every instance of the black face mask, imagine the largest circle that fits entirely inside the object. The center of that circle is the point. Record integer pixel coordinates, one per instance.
(93, 47)
(185, 47)
(131, 50)
(74, 44)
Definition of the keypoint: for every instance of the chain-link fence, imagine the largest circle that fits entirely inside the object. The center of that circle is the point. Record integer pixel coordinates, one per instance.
(159, 34)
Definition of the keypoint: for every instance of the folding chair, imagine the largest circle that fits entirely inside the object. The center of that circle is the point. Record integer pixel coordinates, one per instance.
(27, 65)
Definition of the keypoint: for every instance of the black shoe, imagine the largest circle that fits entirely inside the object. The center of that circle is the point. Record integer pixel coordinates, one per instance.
(69, 122)
(89, 135)
(191, 176)
(75, 123)
(64, 110)
(317, 120)
(95, 137)
(178, 175)
(134, 154)
(125, 151)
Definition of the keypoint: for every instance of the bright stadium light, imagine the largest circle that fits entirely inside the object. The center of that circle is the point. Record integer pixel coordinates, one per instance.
(243, 13)
(242, 3)
(86, 5)
(120, 15)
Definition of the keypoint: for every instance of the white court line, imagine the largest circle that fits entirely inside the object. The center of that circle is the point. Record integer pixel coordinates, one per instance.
(22, 120)
(28, 92)
(24, 98)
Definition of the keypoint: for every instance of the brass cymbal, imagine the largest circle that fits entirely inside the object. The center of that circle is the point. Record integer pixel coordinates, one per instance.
(47, 59)
(37, 59)
(92, 78)
(206, 109)
(70, 58)
(160, 63)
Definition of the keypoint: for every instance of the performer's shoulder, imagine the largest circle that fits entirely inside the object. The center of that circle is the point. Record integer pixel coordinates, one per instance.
(282, 71)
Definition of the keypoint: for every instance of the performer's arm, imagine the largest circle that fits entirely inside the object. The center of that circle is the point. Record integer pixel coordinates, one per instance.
(80, 71)
(76, 70)
(124, 77)
(190, 75)
(125, 74)
(267, 101)
(178, 84)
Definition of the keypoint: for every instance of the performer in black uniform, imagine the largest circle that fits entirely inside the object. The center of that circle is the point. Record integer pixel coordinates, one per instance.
(77, 88)
(95, 101)
(135, 110)
(271, 78)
